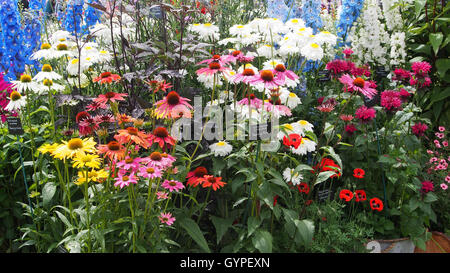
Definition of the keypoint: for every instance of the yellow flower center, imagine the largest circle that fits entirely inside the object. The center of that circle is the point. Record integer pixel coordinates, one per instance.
(314, 45)
(240, 26)
(74, 61)
(288, 126)
(302, 29)
(47, 68)
(150, 170)
(207, 24)
(326, 32)
(46, 46)
(303, 122)
(75, 144)
(15, 96)
(295, 21)
(103, 52)
(61, 47)
(48, 82)
(221, 144)
(25, 78)
(292, 95)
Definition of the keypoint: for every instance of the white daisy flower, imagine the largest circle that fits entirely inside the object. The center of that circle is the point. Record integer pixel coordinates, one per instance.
(291, 100)
(47, 73)
(302, 126)
(295, 23)
(312, 52)
(16, 101)
(61, 49)
(306, 146)
(61, 36)
(289, 176)
(285, 130)
(288, 49)
(46, 52)
(205, 31)
(25, 83)
(103, 56)
(239, 30)
(72, 66)
(73, 80)
(221, 148)
(271, 64)
(326, 37)
(266, 51)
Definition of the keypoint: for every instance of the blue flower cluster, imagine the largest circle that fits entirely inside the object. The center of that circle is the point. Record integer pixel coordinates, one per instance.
(74, 15)
(32, 30)
(92, 16)
(282, 10)
(311, 14)
(12, 60)
(350, 12)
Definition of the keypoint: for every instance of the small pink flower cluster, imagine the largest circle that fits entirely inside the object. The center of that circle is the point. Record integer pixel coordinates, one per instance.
(391, 100)
(420, 76)
(438, 163)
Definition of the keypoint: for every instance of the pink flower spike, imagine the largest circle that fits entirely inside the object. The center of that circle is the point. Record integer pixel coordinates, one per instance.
(172, 185)
(166, 218)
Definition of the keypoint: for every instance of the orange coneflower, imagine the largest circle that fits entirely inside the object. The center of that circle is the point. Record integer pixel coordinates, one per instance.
(107, 77)
(161, 136)
(113, 150)
(134, 135)
(211, 181)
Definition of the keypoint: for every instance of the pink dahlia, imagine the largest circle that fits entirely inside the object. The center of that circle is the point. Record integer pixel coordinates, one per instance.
(391, 100)
(165, 106)
(357, 84)
(172, 185)
(365, 114)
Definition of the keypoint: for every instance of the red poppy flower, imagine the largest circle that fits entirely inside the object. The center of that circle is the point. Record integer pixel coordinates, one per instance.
(325, 165)
(107, 77)
(292, 140)
(303, 187)
(194, 176)
(360, 195)
(359, 173)
(211, 181)
(347, 195)
(376, 204)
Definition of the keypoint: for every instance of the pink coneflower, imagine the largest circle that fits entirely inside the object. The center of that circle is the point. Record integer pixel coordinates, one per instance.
(166, 105)
(419, 129)
(350, 129)
(162, 195)
(365, 114)
(352, 84)
(129, 164)
(149, 172)
(159, 160)
(277, 109)
(245, 76)
(161, 136)
(254, 101)
(194, 176)
(222, 60)
(326, 107)
(346, 118)
(212, 69)
(156, 86)
(166, 218)
(95, 105)
(390, 100)
(348, 52)
(172, 185)
(109, 97)
(87, 126)
(107, 77)
(282, 73)
(113, 150)
(267, 79)
(108, 118)
(180, 111)
(124, 179)
(427, 186)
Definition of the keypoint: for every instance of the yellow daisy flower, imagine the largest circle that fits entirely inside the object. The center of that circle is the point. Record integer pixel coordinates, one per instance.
(48, 148)
(93, 175)
(68, 149)
(83, 159)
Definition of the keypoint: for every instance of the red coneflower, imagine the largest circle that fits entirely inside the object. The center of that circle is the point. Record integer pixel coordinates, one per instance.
(161, 136)
(376, 204)
(359, 173)
(81, 116)
(104, 99)
(347, 195)
(211, 181)
(360, 195)
(165, 106)
(134, 135)
(303, 187)
(107, 77)
(194, 176)
(113, 150)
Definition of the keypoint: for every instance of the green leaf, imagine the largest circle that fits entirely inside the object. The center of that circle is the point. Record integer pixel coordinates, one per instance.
(430, 197)
(194, 231)
(48, 192)
(413, 203)
(221, 226)
(419, 5)
(436, 40)
(239, 201)
(442, 65)
(305, 231)
(323, 176)
(252, 224)
(302, 167)
(262, 241)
